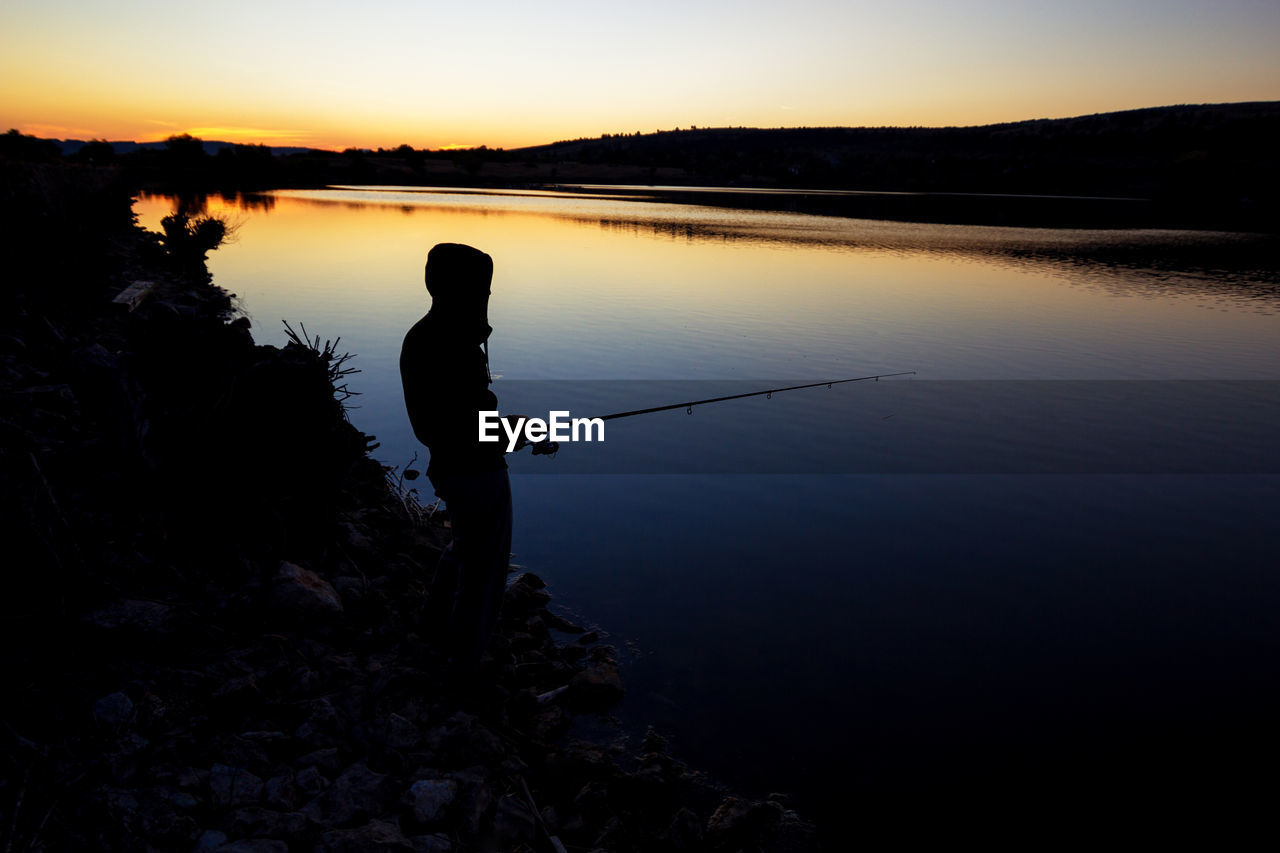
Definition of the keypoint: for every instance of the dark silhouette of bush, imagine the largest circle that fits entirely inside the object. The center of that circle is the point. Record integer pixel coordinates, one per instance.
(29, 149)
(185, 148)
(189, 240)
(244, 166)
(95, 152)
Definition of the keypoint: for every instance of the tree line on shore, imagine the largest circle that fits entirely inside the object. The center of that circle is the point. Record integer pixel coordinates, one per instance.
(1216, 159)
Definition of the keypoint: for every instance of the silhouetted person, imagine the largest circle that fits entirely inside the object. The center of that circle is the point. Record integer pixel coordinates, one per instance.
(446, 380)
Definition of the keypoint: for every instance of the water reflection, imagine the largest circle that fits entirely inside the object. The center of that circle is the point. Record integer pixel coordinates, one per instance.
(201, 203)
(602, 288)
(1171, 262)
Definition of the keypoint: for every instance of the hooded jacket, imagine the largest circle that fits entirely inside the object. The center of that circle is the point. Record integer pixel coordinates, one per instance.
(443, 368)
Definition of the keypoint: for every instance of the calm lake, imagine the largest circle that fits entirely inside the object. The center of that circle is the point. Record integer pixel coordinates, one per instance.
(1051, 551)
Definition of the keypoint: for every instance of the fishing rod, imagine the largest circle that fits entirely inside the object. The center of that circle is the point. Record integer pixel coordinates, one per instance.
(769, 392)
(541, 448)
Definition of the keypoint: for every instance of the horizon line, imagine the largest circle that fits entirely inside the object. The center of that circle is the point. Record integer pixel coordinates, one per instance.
(454, 147)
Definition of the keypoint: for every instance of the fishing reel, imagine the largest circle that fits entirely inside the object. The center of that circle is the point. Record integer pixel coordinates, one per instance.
(544, 448)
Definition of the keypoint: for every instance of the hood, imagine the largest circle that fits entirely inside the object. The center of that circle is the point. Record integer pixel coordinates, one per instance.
(458, 279)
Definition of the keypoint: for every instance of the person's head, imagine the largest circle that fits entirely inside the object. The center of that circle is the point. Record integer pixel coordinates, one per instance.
(458, 279)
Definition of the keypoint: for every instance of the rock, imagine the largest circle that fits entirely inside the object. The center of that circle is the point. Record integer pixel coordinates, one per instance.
(303, 592)
(304, 681)
(580, 760)
(189, 778)
(183, 801)
(324, 728)
(357, 537)
(351, 589)
(522, 642)
(654, 742)
(265, 737)
(255, 845)
(236, 751)
(114, 709)
(474, 798)
(375, 835)
(357, 795)
(523, 595)
(121, 805)
(595, 688)
(530, 580)
(310, 782)
(127, 614)
(155, 820)
(467, 743)
(435, 738)
(233, 786)
(257, 822)
(731, 815)
(794, 834)
(513, 823)
(210, 840)
(738, 822)
(328, 761)
(550, 723)
(236, 696)
(603, 654)
(573, 654)
(437, 843)
(685, 832)
(402, 733)
(559, 623)
(430, 797)
(657, 769)
(282, 792)
(122, 761)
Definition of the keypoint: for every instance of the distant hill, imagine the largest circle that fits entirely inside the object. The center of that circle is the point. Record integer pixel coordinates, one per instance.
(1215, 148)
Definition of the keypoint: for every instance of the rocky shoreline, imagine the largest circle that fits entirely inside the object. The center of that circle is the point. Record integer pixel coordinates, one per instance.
(214, 632)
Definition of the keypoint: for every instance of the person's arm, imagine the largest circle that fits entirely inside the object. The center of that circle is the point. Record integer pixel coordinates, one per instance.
(419, 396)
(439, 397)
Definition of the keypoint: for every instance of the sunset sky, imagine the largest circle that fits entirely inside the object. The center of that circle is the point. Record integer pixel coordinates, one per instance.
(508, 74)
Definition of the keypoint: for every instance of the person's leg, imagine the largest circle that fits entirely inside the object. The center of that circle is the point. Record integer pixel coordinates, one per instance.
(480, 512)
(443, 587)
(493, 562)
